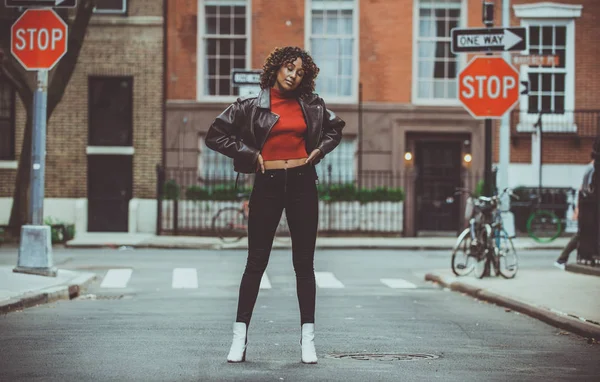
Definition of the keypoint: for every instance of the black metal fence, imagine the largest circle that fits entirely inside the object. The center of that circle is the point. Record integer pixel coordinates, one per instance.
(574, 123)
(372, 201)
(556, 199)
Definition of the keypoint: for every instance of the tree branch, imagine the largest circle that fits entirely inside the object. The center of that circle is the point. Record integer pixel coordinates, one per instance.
(66, 66)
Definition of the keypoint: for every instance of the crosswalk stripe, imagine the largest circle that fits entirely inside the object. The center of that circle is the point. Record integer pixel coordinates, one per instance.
(398, 283)
(116, 278)
(264, 282)
(185, 278)
(327, 280)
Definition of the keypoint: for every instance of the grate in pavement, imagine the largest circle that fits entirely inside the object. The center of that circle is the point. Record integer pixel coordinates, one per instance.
(102, 297)
(384, 356)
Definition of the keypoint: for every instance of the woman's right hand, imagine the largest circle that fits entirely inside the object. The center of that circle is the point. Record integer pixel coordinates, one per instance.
(260, 164)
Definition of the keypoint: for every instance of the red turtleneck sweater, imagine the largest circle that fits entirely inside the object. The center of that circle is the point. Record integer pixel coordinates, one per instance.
(286, 139)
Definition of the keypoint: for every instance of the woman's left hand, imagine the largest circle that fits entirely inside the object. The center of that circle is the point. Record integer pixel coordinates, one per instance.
(315, 153)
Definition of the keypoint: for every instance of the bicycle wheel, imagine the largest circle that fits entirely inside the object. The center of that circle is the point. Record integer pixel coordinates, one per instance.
(508, 261)
(463, 260)
(230, 224)
(544, 226)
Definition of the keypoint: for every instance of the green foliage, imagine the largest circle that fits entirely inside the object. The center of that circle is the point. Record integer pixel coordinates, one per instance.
(1, 235)
(349, 192)
(197, 193)
(56, 233)
(479, 188)
(171, 190)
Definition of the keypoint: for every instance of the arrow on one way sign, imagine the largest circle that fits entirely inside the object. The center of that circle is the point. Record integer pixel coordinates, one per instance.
(488, 39)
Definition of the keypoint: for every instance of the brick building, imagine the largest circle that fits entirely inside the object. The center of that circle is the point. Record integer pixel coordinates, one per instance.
(400, 52)
(104, 139)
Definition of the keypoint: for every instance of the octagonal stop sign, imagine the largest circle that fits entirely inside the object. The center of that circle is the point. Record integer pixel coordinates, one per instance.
(488, 87)
(38, 39)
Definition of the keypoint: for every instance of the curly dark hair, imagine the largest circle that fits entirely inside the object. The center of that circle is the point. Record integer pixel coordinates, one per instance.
(282, 56)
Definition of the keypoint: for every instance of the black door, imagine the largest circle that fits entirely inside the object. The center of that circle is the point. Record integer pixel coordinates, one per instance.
(438, 175)
(109, 192)
(110, 176)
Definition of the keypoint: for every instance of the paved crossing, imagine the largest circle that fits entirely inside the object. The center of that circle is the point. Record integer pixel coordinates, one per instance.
(187, 278)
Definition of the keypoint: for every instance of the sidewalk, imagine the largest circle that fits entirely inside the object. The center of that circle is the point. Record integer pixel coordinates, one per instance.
(115, 240)
(19, 290)
(566, 300)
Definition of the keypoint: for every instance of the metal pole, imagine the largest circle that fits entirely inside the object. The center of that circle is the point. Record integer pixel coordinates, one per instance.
(35, 249)
(36, 201)
(504, 159)
(488, 20)
(360, 133)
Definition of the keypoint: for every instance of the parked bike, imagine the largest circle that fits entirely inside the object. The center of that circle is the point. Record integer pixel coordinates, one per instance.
(484, 247)
(230, 224)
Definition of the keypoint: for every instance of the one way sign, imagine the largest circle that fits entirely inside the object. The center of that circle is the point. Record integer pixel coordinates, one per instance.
(41, 3)
(488, 39)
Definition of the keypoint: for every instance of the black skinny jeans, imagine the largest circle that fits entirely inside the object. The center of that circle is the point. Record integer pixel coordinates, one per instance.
(293, 190)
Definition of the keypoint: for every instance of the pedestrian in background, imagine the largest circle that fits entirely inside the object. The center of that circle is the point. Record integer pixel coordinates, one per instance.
(280, 135)
(574, 242)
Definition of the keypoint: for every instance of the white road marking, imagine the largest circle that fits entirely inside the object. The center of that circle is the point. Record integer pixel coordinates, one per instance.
(327, 280)
(116, 278)
(398, 283)
(185, 278)
(264, 282)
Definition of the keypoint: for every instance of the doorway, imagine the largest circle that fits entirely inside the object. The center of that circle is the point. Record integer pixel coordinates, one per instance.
(438, 165)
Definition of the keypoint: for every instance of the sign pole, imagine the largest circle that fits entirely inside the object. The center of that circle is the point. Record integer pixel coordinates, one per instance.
(488, 20)
(504, 147)
(46, 44)
(38, 152)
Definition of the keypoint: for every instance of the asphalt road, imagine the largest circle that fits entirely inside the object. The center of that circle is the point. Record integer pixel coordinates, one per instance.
(164, 324)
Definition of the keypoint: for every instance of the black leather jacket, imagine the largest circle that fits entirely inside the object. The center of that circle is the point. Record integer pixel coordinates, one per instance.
(241, 130)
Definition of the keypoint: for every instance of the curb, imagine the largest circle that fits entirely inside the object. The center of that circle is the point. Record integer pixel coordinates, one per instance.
(583, 269)
(560, 320)
(45, 296)
(321, 247)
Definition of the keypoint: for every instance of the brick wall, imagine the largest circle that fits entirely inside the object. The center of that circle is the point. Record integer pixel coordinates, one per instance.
(386, 53)
(124, 49)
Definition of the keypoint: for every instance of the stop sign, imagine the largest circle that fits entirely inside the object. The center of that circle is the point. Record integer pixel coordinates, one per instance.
(38, 39)
(488, 87)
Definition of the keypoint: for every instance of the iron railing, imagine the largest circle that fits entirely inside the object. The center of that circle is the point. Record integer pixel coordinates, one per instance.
(577, 123)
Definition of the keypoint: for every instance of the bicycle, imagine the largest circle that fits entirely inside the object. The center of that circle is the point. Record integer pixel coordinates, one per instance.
(543, 226)
(230, 224)
(485, 244)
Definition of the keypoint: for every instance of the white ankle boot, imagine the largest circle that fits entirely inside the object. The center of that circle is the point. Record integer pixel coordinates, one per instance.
(237, 353)
(307, 342)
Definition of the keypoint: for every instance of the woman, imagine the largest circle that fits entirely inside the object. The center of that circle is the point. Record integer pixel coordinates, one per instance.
(279, 134)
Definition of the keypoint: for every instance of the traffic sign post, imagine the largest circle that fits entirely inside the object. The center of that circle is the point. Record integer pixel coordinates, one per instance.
(488, 87)
(38, 41)
(248, 81)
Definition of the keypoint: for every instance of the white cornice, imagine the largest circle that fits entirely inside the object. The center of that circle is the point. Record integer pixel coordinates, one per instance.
(547, 10)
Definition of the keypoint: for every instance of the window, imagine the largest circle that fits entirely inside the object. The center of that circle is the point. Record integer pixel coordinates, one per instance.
(552, 88)
(7, 120)
(222, 45)
(111, 6)
(435, 65)
(547, 84)
(213, 166)
(110, 111)
(333, 43)
(341, 161)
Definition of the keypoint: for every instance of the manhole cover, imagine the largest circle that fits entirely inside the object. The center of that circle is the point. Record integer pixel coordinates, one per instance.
(384, 357)
(101, 297)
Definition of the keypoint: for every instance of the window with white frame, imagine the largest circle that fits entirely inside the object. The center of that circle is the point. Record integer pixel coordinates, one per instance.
(333, 45)
(212, 165)
(339, 165)
(436, 65)
(547, 83)
(111, 6)
(551, 88)
(223, 45)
